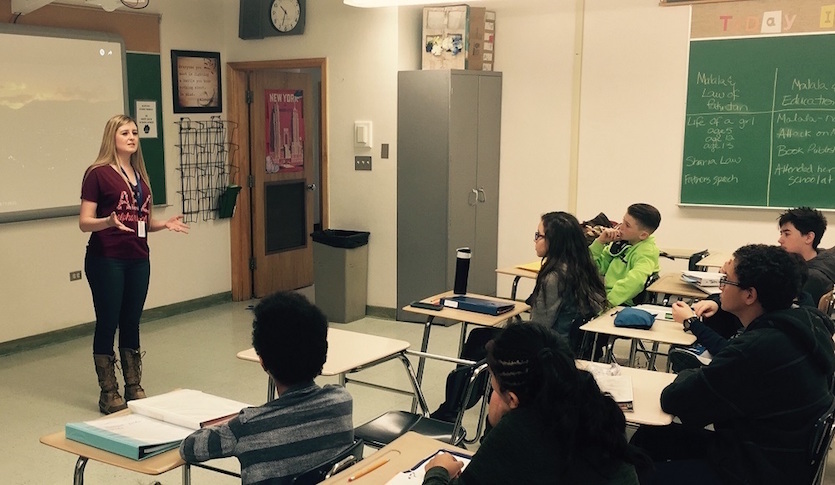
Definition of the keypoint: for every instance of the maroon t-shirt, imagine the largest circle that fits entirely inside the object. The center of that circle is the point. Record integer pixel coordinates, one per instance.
(111, 193)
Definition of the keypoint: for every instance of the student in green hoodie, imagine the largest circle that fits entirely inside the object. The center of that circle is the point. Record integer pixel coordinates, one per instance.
(627, 255)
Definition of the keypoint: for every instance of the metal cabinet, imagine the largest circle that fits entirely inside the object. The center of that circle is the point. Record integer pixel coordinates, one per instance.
(448, 132)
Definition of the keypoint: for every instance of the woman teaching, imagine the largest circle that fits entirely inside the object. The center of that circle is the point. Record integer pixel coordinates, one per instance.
(116, 205)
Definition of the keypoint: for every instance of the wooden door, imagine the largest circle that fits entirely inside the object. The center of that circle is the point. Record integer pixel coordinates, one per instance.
(281, 120)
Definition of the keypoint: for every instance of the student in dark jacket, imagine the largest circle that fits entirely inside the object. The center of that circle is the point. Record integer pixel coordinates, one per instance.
(801, 230)
(762, 393)
(552, 425)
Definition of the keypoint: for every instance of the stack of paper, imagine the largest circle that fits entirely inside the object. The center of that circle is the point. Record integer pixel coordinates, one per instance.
(156, 424)
(611, 382)
(705, 281)
(534, 266)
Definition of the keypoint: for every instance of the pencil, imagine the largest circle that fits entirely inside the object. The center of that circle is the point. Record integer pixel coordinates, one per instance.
(367, 470)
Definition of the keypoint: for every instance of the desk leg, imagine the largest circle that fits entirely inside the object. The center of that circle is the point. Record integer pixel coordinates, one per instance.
(78, 474)
(424, 344)
(271, 389)
(633, 349)
(513, 288)
(186, 474)
(419, 397)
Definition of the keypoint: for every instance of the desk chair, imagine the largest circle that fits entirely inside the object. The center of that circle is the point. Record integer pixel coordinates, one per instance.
(389, 426)
(822, 440)
(319, 473)
(695, 258)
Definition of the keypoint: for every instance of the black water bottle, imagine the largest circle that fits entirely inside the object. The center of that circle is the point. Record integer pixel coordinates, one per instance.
(462, 270)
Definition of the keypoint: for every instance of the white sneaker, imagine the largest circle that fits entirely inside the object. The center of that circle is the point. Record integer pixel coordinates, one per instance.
(689, 358)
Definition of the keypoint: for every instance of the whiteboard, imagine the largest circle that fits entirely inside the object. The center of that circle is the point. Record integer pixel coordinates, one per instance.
(58, 88)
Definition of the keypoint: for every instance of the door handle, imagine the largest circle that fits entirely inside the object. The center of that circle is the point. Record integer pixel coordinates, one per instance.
(471, 201)
(483, 197)
(311, 187)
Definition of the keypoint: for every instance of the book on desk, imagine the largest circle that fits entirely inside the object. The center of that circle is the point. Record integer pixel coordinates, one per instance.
(478, 305)
(156, 424)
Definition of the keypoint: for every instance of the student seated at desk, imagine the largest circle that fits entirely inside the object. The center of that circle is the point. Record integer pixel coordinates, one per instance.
(307, 424)
(763, 392)
(551, 422)
(801, 230)
(627, 255)
(712, 326)
(567, 287)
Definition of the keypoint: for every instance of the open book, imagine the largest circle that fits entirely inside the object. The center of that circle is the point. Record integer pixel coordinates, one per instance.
(155, 426)
(611, 382)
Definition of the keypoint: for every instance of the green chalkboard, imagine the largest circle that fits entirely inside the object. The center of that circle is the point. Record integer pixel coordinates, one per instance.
(760, 125)
(145, 83)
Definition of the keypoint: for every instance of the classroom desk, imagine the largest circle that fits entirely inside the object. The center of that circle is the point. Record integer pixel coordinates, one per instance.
(646, 395)
(714, 260)
(351, 352)
(662, 331)
(671, 284)
(517, 273)
(403, 454)
(154, 465)
(463, 316)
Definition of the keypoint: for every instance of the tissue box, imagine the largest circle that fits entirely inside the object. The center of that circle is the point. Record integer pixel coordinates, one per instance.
(458, 37)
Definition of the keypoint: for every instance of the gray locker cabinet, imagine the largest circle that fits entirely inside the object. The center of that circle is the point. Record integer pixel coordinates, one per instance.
(448, 132)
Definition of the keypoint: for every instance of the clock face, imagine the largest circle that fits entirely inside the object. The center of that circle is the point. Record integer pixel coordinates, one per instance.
(285, 14)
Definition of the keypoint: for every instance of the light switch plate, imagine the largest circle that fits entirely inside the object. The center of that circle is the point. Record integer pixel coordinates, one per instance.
(362, 163)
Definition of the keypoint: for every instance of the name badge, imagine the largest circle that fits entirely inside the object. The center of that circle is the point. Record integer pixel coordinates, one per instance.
(140, 228)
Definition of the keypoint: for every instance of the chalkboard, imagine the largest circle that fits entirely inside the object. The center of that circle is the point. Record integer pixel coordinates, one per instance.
(145, 83)
(760, 124)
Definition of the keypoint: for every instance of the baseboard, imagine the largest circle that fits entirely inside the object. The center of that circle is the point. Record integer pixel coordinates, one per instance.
(381, 312)
(86, 329)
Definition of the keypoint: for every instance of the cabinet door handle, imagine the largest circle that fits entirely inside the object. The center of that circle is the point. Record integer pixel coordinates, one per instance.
(471, 201)
(481, 197)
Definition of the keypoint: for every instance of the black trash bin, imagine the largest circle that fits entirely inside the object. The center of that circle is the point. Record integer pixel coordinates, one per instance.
(340, 273)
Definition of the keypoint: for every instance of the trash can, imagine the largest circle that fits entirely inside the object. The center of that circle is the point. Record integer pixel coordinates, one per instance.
(340, 273)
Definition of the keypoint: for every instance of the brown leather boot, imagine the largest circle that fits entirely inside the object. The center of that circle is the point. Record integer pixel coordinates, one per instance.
(110, 400)
(132, 371)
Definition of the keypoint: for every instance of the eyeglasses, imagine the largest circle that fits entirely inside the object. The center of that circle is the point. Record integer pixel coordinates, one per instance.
(537, 236)
(725, 281)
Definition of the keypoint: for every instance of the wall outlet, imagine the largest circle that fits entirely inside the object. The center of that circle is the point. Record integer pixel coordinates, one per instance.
(75, 275)
(362, 163)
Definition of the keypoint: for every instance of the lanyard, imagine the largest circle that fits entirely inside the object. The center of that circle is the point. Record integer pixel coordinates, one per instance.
(137, 191)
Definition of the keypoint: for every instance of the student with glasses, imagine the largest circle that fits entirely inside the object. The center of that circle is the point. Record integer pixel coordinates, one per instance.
(627, 255)
(116, 205)
(568, 289)
(762, 393)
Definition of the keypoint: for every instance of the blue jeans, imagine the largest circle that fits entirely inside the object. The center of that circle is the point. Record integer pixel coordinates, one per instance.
(119, 288)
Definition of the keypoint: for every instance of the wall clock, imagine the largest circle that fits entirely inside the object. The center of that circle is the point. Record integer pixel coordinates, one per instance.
(267, 18)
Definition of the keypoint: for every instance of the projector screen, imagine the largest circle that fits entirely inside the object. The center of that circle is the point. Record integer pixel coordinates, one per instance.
(58, 88)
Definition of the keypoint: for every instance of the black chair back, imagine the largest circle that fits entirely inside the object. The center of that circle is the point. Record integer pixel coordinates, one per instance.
(347, 457)
(821, 442)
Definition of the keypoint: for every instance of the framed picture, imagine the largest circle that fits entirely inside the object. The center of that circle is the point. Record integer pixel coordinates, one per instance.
(195, 78)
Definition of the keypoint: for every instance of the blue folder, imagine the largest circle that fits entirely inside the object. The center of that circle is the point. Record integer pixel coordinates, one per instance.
(478, 305)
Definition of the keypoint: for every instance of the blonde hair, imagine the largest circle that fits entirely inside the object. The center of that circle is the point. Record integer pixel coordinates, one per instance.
(107, 150)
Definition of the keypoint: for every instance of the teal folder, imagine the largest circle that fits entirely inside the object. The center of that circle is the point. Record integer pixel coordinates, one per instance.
(132, 436)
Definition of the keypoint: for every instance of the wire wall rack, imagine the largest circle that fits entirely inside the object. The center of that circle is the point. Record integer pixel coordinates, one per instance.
(205, 167)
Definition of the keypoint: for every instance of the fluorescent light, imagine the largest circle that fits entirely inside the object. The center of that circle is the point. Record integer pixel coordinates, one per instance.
(397, 3)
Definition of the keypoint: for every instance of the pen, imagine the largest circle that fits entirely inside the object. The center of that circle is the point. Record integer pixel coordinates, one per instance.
(613, 314)
(367, 470)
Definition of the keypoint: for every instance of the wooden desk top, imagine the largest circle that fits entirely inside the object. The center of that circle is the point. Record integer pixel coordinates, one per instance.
(663, 331)
(470, 317)
(515, 271)
(646, 395)
(672, 284)
(348, 350)
(714, 260)
(154, 465)
(402, 453)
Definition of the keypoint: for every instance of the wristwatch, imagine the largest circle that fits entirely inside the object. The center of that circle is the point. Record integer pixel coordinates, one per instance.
(689, 321)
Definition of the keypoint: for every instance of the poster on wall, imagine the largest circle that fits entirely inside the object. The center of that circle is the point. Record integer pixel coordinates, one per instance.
(285, 130)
